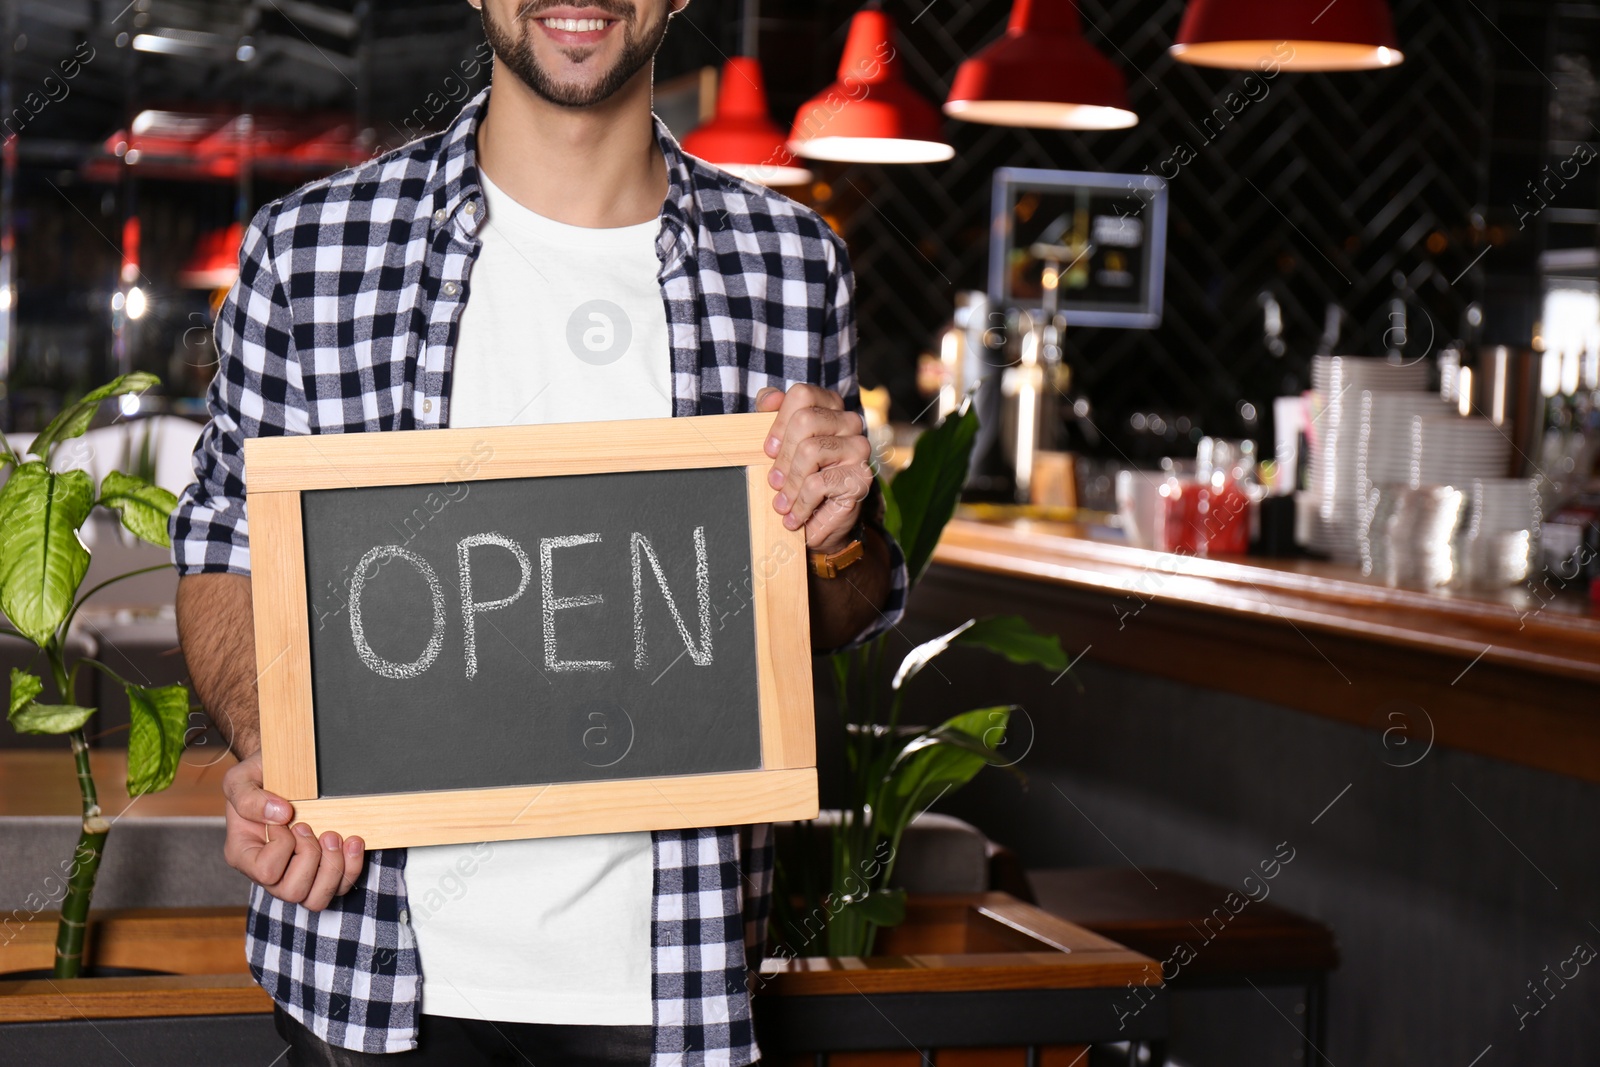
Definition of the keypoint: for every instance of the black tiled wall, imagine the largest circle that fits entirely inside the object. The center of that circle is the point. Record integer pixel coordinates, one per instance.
(1348, 189)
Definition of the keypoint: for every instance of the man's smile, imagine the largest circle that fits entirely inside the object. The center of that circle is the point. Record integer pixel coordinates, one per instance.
(575, 26)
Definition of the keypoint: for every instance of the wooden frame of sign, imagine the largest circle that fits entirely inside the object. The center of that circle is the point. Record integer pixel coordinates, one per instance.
(280, 469)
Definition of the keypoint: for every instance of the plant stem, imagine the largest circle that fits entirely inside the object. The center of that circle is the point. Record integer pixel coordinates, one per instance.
(103, 669)
(67, 625)
(91, 840)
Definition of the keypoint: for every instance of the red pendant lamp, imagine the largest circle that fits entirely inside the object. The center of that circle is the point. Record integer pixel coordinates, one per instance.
(1042, 73)
(215, 261)
(1305, 35)
(741, 137)
(869, 114)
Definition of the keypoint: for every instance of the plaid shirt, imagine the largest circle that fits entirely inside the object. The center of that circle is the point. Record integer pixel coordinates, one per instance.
(344, 320)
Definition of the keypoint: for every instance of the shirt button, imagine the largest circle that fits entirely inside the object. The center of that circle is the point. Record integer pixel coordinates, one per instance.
(451, 288)
(440, 215)
(405, 916)
(427, 406)
(472, 207)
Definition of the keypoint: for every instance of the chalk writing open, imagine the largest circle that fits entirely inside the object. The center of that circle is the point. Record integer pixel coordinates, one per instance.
(640, 549)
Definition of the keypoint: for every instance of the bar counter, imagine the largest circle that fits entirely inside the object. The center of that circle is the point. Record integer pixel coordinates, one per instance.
(1513, 674)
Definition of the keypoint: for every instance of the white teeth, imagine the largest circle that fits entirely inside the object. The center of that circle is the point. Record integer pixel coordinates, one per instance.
(575, 25)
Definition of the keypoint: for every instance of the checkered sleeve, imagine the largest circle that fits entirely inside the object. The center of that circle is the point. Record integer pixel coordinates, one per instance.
(839, 374)
(257, 391)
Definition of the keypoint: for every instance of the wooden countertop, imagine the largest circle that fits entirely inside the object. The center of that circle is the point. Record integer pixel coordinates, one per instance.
(1505, 673)
(1511, 626)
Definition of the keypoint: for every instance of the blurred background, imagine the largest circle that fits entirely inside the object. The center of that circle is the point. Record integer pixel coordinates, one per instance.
(1396, 210)
(1421, 236)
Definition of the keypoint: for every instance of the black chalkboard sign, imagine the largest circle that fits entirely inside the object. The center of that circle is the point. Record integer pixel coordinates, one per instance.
(522, 631)
(535, 630)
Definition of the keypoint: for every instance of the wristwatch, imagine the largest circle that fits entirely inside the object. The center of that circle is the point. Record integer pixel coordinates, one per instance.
(829, 564)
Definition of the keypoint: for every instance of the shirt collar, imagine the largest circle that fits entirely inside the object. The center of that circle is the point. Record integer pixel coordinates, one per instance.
(454, 182)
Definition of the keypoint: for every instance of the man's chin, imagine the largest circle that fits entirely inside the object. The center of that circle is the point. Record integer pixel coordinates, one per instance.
(574, 95)
(573, 76)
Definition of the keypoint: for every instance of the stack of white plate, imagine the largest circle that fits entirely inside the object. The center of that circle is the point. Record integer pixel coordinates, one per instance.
(1450, 450)
(1335, 435)
(1383, 452)
(1413, 534)
(1501, 544)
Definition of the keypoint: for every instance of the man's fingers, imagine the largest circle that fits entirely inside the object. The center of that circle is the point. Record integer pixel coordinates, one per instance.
(799, 398)
(830, 521)
(815, 453)
(330, 871)
(242, 788)
(259, 860)
(848, 454)
(805, 425)
(257, 805)
(810, 455)
(302, 871)
(769, 398)
(355, 857)
(844, 485)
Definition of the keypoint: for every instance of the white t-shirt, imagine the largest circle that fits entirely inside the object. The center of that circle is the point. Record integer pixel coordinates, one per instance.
(562, 324)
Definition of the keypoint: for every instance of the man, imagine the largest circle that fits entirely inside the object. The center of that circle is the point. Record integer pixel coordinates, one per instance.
(484, 276)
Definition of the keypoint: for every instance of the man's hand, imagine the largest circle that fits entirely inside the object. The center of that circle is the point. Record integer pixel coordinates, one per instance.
(821, 463)
(215, 614)
(290, 863)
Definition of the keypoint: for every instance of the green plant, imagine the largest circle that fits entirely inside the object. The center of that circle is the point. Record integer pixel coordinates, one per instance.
(42, 566)
(836, 885)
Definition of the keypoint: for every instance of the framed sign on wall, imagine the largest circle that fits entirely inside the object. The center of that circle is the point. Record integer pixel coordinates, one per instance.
(1104, 235)
(530, 631)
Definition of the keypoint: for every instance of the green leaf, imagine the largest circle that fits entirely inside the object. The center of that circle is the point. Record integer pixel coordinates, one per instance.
(883, 907)
(891, 511)
(42, 562)
(144, 507)
(924, 653)
(30, 718)
(1009, 635)
(24, 687)
(937, 761)
(926, 492)
(981, 745)
(160, 718)
(1013, 638)
(74, 419)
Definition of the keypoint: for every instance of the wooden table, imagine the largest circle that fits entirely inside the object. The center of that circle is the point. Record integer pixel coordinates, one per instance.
(1508, 674)
(203, 947)
(1258, 938)
(1203, 934)
(964, 972)
(42, 782)
(183, 941)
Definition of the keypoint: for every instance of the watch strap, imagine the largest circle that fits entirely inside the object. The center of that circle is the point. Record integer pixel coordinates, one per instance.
(829, 564)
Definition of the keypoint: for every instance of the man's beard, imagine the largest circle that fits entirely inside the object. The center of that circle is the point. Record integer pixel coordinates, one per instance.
(516, 52)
